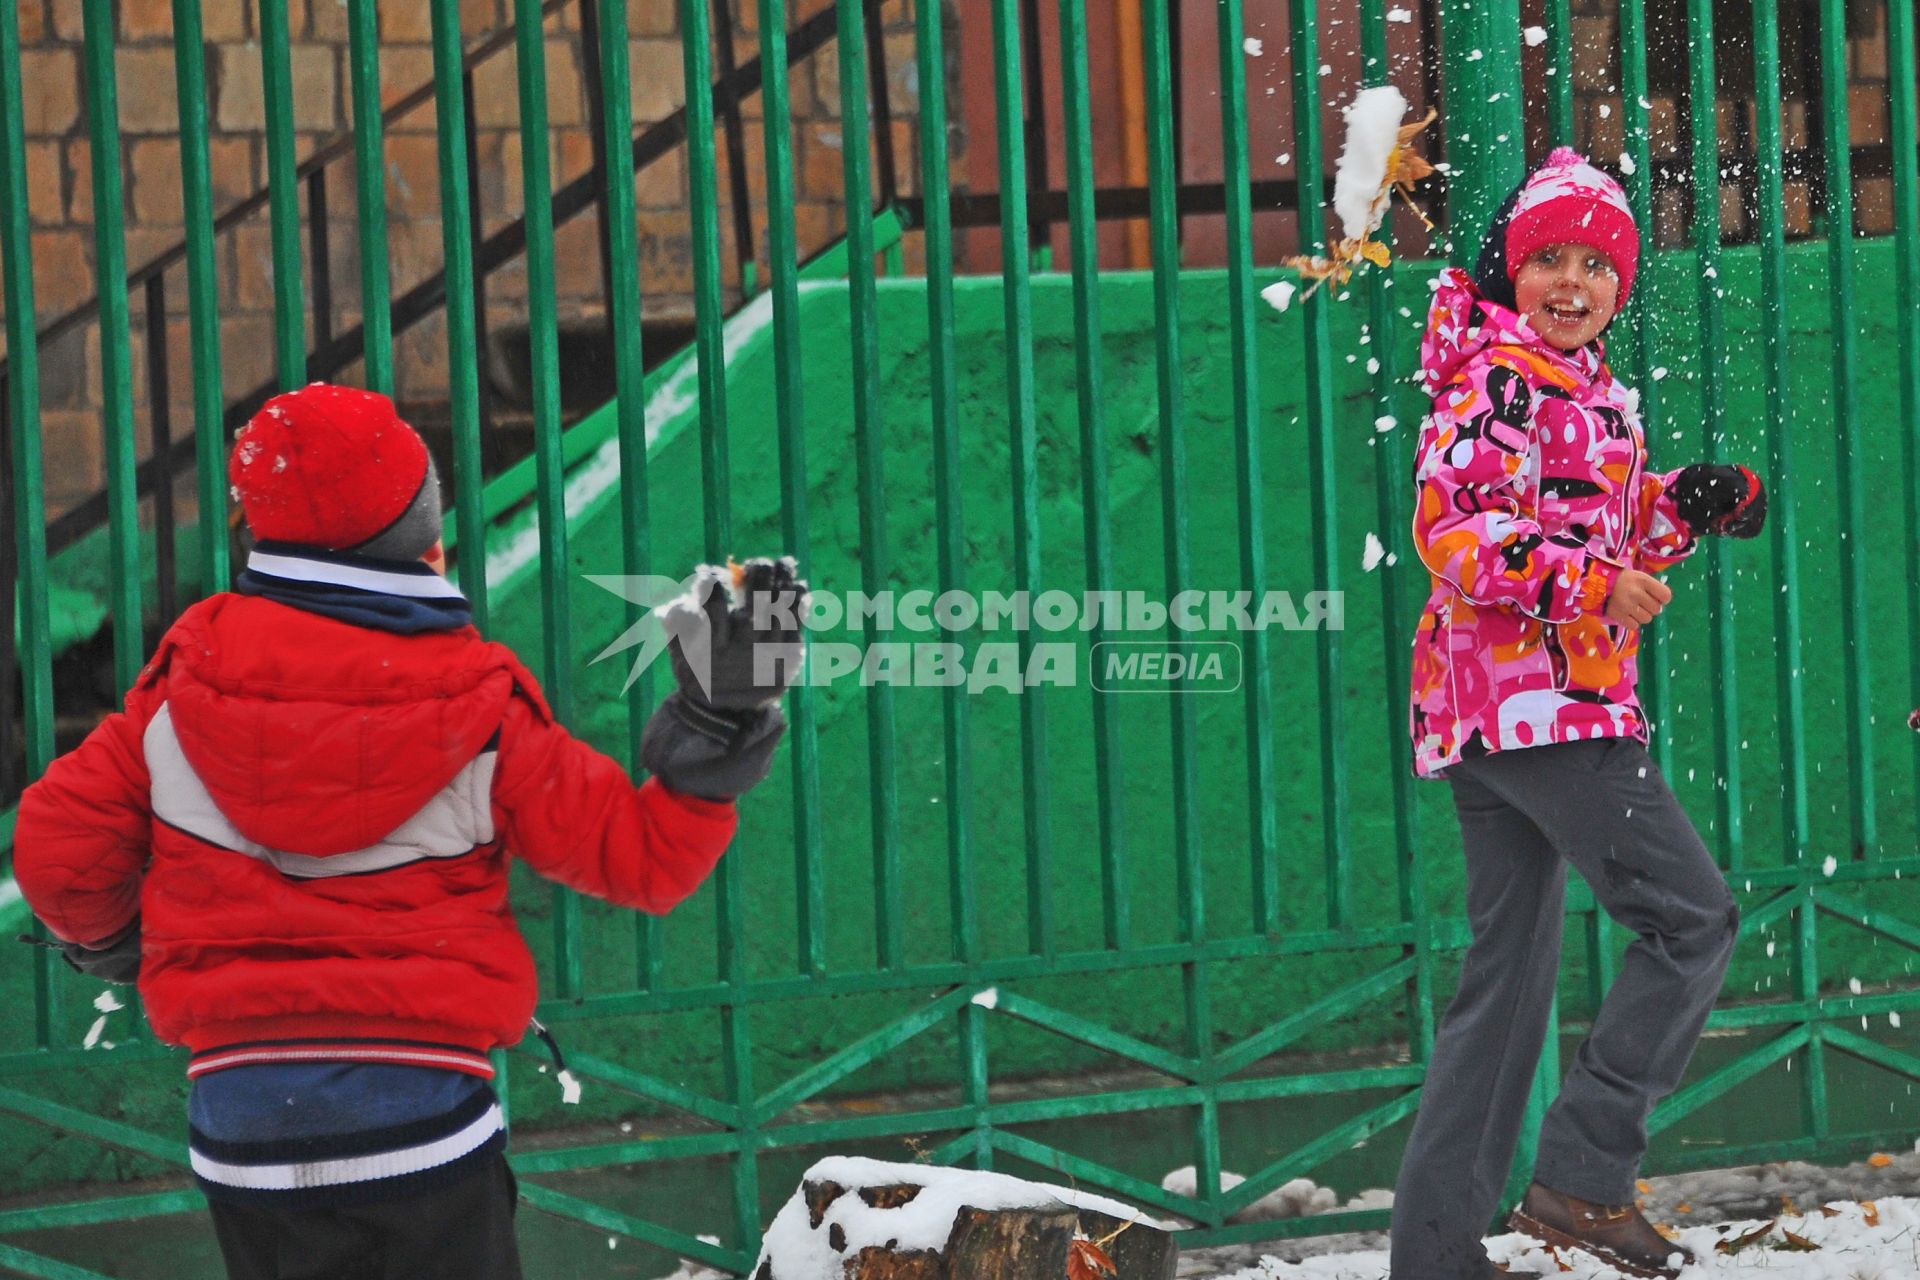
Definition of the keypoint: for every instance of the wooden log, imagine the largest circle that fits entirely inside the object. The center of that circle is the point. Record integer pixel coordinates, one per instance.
(1024, 1242)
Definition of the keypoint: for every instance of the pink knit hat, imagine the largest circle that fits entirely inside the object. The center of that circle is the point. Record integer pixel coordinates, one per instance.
(1568, 201)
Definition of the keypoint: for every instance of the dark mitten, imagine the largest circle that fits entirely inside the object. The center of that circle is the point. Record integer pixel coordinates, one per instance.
(116, 961)
(1727, 501)
(707, 752)
(736, 657)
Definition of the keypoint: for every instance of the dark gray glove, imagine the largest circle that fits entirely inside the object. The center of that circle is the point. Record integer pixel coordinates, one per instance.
(706, 752)
(1721, 500)
(116, 961)
(736, 657)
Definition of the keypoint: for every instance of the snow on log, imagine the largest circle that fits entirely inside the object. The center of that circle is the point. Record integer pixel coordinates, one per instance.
(859, 1219)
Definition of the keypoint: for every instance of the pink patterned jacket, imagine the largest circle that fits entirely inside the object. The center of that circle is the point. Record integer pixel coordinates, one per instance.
(1534, 494)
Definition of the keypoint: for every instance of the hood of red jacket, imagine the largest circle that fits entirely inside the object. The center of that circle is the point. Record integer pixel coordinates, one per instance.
(319, 737)
(1462, 324)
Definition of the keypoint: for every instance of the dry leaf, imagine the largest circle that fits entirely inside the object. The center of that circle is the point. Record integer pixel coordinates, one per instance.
(1829, 1211)
(1753, 1237)
(1788, 1206)
(1407, 166)
(1683, 1207)
(1408, 132)
(1375, 252)
(1795, 1243)
(1644, 1185)
(1879, 1159)
(1088, 1261)
(1870, 1212)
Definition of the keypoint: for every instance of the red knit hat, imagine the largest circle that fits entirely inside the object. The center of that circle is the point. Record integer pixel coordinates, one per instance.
(336, 467)
(1568, 201)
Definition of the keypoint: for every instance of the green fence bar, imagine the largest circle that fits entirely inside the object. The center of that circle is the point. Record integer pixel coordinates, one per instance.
(1321, 424)
(1163, 185)
(869, 449)
(116, 360)
(1814, 1116)
(1560, 71)
(203, 294)
(1397, 611)
(1083, 238)
(1705, 119)
(729, 899)
(943, 398)
(456, 239)
(35, 647)
(1838, 138)
(1642, 331)
(783, 283)
(370, 181)
(283, 207)
(1263, 815)
(1480, 42)
(1906, 205)
(1782, 517)
(624, 311)
(709, 344)
(1023, 451)
(530, 58)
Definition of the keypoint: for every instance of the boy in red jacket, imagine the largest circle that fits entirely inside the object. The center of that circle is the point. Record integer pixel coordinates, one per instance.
(297, 835)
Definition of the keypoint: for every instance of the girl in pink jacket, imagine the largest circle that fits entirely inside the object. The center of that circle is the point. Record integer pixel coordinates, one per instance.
(1544, 528)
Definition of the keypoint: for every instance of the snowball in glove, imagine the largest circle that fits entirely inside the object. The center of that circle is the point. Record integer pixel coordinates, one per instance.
(714, 736)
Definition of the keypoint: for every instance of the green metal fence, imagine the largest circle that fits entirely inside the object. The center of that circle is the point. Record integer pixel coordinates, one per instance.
(1178, 903)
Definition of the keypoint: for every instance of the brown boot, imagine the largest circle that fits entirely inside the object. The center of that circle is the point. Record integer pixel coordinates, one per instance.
(1616, 1234)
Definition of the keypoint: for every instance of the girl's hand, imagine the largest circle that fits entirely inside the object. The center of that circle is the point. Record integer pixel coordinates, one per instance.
(1637, 598)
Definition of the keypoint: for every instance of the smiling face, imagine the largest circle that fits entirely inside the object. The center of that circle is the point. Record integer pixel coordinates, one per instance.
(1568, 293)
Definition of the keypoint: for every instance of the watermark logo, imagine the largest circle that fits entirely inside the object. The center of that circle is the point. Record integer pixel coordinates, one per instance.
(649, 635)
(1133, 641)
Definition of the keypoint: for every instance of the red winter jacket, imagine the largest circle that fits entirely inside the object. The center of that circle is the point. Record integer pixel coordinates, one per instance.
(313, 821)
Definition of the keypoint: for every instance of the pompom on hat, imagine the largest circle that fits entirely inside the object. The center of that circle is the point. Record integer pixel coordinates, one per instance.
(1564, 201)
(337, 468)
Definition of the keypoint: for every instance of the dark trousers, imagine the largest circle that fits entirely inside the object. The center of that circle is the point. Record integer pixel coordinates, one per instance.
(1524, 815)
(463, 1231)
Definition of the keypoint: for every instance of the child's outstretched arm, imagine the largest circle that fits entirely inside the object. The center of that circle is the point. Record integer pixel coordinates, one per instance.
(1705, 499)
(575, 816)
(1467, 524)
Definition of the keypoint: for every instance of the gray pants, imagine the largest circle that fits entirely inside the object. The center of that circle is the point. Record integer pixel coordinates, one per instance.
(1603, 806)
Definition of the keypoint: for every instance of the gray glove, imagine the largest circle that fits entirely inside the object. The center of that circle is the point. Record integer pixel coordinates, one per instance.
(715, 735)
(702, 751)
(117, 960)
(737, 657)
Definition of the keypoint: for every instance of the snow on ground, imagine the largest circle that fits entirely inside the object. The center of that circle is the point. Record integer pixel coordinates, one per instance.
(1702, 1206)
(1850, 1241)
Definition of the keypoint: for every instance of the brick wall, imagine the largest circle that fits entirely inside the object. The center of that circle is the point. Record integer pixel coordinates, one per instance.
(1599, 126)
(60, 184)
